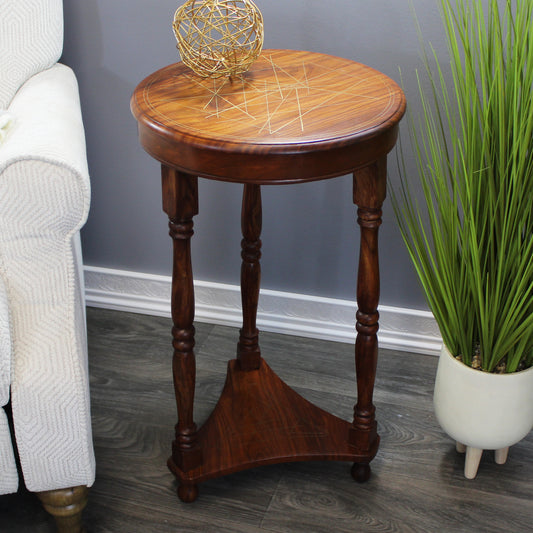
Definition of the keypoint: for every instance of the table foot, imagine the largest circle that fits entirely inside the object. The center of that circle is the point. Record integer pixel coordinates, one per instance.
(187, 492)
(361, 472)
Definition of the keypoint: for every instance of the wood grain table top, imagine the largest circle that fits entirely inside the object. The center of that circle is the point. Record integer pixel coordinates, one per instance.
(289, 101)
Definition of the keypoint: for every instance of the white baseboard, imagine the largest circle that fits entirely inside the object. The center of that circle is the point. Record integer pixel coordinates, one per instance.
(296, 314)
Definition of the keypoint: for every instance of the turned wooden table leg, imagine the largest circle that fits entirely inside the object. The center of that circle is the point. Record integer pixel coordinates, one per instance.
(180, 202)
(66, 506)
(248, 351)
(369, 193)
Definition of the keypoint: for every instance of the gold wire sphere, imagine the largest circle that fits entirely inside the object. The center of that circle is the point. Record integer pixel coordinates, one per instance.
(218, 38)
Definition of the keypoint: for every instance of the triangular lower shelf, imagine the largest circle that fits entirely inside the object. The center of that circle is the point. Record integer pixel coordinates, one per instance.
(259, 420)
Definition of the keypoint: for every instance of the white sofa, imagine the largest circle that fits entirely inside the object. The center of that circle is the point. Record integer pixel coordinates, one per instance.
(44, 201)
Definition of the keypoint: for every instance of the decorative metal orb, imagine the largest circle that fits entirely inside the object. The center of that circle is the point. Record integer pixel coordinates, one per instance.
(218, 38)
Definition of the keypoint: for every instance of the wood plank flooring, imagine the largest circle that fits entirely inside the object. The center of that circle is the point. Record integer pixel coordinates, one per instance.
(417, 483)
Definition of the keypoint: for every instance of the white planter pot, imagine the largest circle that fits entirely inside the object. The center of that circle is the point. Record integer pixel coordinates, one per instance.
(482, 410)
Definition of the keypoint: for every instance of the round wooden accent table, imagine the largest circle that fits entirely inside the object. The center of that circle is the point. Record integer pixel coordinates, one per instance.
(293, 117)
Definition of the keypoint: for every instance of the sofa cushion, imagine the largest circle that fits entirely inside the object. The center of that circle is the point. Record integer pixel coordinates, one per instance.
(31, 40)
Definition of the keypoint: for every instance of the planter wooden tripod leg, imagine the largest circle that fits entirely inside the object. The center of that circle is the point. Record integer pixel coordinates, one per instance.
(500, 456)
(472, 459)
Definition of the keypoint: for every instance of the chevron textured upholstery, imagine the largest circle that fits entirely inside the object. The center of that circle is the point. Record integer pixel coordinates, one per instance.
(44, 201)
(30, 41)
(8, 468)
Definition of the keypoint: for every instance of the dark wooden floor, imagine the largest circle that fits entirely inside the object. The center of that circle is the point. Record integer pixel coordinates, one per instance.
(417, 483)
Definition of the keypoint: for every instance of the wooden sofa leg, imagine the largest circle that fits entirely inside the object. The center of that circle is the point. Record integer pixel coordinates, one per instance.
(66, 506)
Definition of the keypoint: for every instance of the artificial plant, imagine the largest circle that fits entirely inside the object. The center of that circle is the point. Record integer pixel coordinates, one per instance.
(469, 232)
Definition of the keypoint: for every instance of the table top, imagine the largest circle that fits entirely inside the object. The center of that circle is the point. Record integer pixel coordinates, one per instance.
(288, 102)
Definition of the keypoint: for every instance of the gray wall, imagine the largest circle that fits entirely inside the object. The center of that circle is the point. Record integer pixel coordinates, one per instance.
(310, 238)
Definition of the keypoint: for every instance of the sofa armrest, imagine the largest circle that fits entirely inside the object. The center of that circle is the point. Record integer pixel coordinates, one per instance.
(44, 201)
(48, 127)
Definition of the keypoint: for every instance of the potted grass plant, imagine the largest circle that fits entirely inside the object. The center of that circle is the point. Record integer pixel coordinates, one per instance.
(467, 221)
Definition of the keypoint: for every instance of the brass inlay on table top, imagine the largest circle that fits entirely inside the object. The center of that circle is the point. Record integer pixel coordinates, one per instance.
(285, 97)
